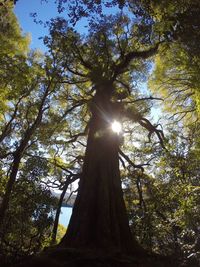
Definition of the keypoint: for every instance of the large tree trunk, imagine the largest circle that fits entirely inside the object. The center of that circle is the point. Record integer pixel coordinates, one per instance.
(99, 218)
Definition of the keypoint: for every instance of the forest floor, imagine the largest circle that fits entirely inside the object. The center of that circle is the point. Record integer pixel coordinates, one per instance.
(66, 257)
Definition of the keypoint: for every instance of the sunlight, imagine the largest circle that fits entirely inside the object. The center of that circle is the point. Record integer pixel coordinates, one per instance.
(116, 127)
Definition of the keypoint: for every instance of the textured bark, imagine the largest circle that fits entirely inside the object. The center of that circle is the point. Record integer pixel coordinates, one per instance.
(99, 217)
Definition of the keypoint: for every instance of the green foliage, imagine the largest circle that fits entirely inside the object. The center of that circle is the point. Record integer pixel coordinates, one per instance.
(164, 208)
(176, 73)
(13, 51)
(176, 79)
(46, 102)
(61, 232)
(29, 219)
(30, 116)
(11, 39)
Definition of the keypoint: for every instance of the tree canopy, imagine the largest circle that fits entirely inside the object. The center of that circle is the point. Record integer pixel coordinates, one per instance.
(138, 193)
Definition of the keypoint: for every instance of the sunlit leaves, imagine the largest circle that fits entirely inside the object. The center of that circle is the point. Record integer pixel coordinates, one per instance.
(175, 78)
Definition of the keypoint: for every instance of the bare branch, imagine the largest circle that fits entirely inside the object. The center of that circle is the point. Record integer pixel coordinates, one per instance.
(137, 117)
(184, 112)
(144, 99)
(122, 162)
(139, 166)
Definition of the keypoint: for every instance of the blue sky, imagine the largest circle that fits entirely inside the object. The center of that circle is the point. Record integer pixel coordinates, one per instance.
(45, 11)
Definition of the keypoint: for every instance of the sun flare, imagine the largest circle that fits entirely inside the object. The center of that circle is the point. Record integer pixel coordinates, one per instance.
(116, 127)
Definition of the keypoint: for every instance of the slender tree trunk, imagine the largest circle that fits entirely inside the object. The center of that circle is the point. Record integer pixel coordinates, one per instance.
(99, 218)
(11, 181)
(19, 153)
(55, 225)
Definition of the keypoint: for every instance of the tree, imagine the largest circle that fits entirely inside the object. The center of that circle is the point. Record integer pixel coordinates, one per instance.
(85, 83)
(13, 54)
(33, 116)
(28, 84)
(176, 78)
(70, 178)
(163, 201)
(29, 218)
(30, 117)
(101, 68)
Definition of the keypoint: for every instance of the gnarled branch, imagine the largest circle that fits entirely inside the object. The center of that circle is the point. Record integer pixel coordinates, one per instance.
(120, 67)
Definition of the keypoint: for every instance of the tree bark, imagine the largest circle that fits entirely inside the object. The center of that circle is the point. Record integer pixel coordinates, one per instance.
(99, 219)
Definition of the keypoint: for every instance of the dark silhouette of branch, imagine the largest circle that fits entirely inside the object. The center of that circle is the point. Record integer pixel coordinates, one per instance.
(137, 117)
(120, 68)
(70, 179)
(184, 112)
(143, 99)
(139, 166)
(136, 166)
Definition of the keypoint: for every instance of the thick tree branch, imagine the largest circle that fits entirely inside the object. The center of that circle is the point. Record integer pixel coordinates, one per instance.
(85, 63)
(75, 72)
(133, 55)
(137, 117)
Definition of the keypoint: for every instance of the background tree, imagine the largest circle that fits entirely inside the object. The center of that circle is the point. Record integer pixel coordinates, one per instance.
(176, 79)
(163, 202)
(29, 218)
(29, 104)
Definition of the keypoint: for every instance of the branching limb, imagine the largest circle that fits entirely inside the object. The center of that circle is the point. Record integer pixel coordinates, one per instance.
(125, 85)
(136, 166)
(75, 72)
(137, 117)
(85, 63)
(144, 99)
(120, 67)
(139, 166)
(152, 129)
(8, 126)
(184, 112)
